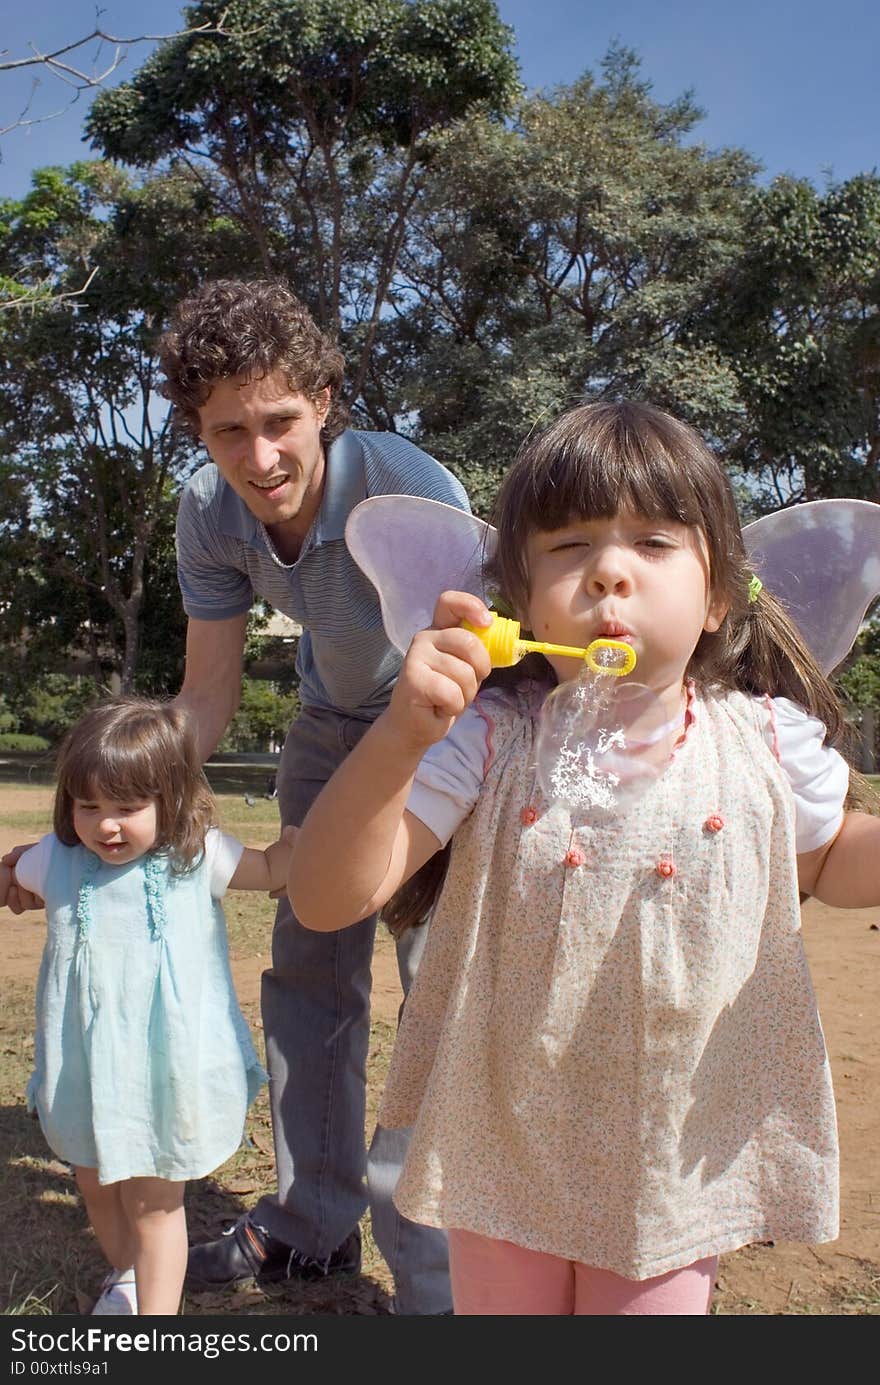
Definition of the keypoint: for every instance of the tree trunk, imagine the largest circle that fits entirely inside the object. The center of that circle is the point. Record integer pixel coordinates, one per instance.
(867, 731)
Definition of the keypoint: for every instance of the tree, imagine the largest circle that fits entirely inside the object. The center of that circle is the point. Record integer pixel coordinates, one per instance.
(91, 459)
(312, 124)
(51, 704)
(799, 324)
(68, 65)
(587, 251)
(570, 255)
(263, 717)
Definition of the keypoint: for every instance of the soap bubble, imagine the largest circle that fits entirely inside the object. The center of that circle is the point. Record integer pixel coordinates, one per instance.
(601, 742)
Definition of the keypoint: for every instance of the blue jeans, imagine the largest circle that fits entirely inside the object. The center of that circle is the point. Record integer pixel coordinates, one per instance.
(316, 1022)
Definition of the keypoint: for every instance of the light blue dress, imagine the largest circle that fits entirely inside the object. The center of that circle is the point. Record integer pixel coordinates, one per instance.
(144, 1064)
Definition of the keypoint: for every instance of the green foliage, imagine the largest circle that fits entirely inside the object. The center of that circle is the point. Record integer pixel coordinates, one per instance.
(799, 324)
(48, 706)
(8, 719)
(320, 70)
(568, 256)
(587, 252)
(860, 683)
(91, 465)
(15, 740)
(263, 718)
(860, 680)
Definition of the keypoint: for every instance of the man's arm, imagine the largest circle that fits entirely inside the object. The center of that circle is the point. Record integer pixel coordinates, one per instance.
(359, 842)
(212, 681)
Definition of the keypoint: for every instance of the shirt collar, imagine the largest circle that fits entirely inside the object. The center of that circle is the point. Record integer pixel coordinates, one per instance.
(235, 519)
(345, 485)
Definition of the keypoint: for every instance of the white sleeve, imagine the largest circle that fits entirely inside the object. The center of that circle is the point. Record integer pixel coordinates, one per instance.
(222, 855)
(818, 774)
(449, 777)
(32, 868)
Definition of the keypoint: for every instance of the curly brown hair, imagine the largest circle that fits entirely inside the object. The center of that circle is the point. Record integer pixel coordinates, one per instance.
(133, 748)
(248, 328)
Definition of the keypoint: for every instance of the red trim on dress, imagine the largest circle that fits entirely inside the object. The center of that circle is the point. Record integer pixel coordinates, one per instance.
(690, 714)
(490, 732)
(771, 710)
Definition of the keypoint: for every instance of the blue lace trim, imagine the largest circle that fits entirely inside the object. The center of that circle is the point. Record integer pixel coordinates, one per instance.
(84, 898)
(153, 888)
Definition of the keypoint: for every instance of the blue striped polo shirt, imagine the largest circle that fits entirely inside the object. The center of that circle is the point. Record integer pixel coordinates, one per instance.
(225, 559)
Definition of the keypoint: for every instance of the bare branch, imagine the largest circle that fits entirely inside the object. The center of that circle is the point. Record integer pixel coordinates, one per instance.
(39, 298)
(80, 79)
(53, 61)
(24, 119)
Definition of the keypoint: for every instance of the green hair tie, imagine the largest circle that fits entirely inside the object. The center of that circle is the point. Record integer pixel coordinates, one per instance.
(755, 586)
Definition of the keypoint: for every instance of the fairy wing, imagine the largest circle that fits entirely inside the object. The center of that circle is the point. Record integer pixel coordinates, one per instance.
(412, 549)
(822, 560)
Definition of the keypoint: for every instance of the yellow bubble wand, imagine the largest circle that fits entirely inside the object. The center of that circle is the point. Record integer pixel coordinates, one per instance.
(506, 647)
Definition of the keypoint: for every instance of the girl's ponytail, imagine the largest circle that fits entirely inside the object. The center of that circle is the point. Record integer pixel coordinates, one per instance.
(414, 901)
(766, 654)
(771, 658)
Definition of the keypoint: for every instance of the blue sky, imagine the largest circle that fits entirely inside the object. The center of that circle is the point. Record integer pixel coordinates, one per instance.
(795, 82)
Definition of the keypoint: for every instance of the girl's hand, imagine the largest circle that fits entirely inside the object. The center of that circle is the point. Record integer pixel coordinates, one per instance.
(454, 607)
(441, 673)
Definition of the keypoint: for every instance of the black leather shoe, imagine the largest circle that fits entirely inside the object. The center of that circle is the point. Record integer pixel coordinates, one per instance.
(248, 1251)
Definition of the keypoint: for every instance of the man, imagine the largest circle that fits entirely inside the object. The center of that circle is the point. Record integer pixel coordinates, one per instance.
(253, 377)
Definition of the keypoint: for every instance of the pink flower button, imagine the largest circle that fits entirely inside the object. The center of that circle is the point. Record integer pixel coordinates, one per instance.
(714, 822)
(528, 816)
(574, 858)
(665, 868)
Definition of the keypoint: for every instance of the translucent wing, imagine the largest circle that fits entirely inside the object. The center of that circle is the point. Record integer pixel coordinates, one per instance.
(822, 559)
(412, 549)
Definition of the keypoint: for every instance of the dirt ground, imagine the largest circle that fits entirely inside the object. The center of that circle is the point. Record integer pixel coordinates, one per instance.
(844, 953)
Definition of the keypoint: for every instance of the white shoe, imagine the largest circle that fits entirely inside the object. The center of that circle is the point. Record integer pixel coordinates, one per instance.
(118, 1294)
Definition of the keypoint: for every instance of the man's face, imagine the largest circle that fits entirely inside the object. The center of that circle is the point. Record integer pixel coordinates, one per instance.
(265, 439)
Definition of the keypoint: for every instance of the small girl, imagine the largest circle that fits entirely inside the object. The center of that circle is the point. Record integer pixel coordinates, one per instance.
(611, 1055)
(144, 1065)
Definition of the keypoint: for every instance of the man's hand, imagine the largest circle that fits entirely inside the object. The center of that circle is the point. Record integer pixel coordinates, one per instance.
(441, 673)
(285, 843)
(13, 895)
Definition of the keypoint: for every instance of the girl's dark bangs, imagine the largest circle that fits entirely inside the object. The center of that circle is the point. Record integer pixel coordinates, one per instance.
(578, 487)
(115, 773)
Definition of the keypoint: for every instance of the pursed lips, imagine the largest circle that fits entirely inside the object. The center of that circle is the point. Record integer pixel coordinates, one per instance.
(612, 630)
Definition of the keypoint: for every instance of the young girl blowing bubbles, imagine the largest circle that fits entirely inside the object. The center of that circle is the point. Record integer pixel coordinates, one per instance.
(611, 1055)
(144, 1066)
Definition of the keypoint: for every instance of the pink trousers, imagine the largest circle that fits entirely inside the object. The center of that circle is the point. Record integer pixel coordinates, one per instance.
(497, 1278)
